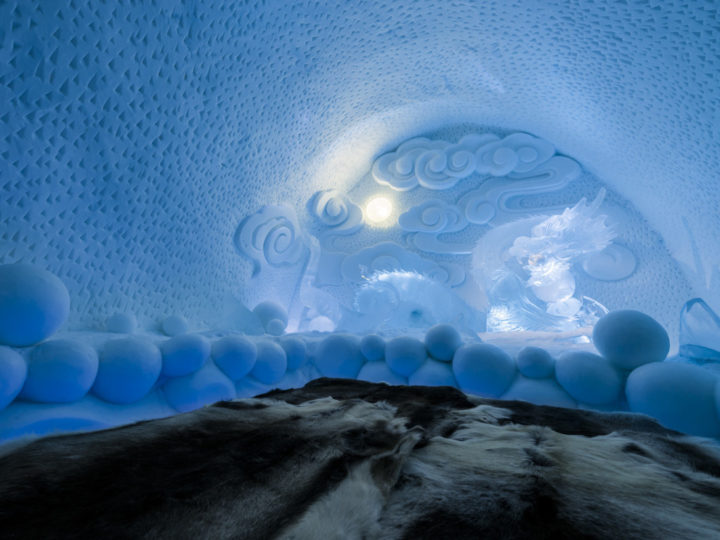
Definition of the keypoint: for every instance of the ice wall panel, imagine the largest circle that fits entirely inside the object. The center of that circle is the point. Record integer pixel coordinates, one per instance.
(135, 136)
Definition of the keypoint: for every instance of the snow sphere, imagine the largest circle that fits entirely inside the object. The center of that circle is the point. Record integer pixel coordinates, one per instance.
(295, 350)
(271, 362)
(127, 371)
(184, 354)
(275, 327)
(539, 392)
(60, 371)
(205, 386)
(630, 339)
(483, 369)
(271, 311)
(12, 375)
(33, 304)
(433, 373)
(442, 340)
(404, 355)
(121, 323)
(338, 355)
(174, 325)
(379, 372)
(372, 347)
(535, 363)
(250, 387)
(588, 378)
(235, 356)
(680, 396)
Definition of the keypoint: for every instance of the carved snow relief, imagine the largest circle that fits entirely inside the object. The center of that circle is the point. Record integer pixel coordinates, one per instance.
(271, 238)
(439, 233)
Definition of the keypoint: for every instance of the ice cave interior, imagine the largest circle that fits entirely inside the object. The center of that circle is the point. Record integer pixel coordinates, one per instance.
(207, 199)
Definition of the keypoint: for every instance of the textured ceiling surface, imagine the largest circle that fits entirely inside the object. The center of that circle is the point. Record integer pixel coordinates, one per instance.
(136, 135)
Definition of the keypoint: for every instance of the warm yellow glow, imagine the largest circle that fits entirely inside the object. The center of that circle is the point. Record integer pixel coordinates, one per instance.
(378, 209)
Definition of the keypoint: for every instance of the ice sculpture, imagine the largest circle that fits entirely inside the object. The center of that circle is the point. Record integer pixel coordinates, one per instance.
(699, 332)
(549, 252)
(530, 284)
(400, 300)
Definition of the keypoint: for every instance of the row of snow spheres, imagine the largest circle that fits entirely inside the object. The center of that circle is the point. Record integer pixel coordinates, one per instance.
(188, 370)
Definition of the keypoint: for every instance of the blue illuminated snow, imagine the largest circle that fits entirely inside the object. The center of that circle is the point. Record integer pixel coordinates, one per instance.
(60, 371)
(441, 341)
(629, 339)
(295, 351)
(203, 387)
(680, 396)
(235, 356)
(433, 373)
(535, 363)
(338, 355)
(34, 304)
(184, 354)
(588, 378)
(128, 369)
(483, 369)
(121, 323)
(174, 325)
(404, 355)
(13, 371)
(372, 347)
(540, 392)
(379, 372)
(275, 327)
(272, 316)
(271, 362)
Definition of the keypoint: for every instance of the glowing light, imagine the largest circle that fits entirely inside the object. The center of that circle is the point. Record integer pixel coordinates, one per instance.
(378, 209)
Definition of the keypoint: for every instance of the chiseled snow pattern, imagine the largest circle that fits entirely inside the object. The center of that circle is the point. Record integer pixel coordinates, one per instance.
(134, 137)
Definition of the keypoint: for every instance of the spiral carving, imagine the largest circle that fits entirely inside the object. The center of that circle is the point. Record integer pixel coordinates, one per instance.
(397, 169)
(518, 153)
(440, 165)
(334, 210)
(271, 237)
(477, 208)
(431, 170)
(433, 216)
(335, 213)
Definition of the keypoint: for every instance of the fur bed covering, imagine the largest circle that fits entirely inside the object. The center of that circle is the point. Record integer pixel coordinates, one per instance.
(345, 459)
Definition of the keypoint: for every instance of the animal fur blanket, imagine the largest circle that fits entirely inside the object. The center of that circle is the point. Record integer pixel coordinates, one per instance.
(342, 459)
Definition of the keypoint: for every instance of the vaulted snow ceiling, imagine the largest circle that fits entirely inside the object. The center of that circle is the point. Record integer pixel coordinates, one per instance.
(135, 137)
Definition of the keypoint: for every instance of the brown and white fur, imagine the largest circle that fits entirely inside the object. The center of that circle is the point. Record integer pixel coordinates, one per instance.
(352, 460)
